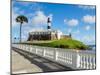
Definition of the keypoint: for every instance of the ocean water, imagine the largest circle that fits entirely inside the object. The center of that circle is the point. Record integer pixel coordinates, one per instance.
(93, 48)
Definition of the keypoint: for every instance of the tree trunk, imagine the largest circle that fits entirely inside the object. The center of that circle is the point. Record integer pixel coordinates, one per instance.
(20, 32)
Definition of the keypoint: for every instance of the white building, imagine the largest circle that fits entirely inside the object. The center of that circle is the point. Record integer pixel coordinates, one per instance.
(47, 34)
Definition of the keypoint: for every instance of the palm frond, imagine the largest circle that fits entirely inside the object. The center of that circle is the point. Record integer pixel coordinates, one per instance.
(22, 19)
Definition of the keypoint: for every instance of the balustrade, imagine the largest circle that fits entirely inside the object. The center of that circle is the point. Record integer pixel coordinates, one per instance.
(76, 59)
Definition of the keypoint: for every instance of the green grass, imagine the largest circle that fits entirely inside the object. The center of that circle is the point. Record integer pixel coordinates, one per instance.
(63, 43)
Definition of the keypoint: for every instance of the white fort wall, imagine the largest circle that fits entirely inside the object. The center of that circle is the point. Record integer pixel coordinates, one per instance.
(71, 58)
(59, 34)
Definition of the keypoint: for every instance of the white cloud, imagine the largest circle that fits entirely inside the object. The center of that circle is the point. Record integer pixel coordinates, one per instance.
(89, 39)
(36, 29)
(14, 15)
(72, 22)
(14, 23)
(76, 32)
(89, 19)
(40, 18)
(87, 27)
(36, 7)
(69, 30)
(16, 12)
(87, 6)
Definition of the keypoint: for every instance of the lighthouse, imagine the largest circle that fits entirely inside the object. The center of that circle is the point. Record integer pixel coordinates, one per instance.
(49, 23)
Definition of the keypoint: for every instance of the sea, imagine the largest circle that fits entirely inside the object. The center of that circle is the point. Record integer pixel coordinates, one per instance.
(93, 48)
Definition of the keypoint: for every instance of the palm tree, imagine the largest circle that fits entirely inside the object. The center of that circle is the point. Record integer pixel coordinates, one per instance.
(21, 19)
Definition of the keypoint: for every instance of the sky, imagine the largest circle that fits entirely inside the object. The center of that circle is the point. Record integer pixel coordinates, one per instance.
(79, 20)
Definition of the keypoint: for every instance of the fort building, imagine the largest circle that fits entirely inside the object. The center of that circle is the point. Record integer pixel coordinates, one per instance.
(47, 34)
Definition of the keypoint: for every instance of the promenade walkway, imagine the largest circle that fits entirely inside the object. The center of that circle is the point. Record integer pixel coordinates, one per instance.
(24, 62)
(22, 65)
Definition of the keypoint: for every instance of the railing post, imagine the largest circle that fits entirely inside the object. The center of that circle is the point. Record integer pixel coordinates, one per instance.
(90, 62)
(44, 52)
(94, 63)
(76, 60)
(87, 62)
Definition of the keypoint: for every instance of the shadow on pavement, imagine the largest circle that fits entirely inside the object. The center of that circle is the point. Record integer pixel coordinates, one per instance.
(45, 64)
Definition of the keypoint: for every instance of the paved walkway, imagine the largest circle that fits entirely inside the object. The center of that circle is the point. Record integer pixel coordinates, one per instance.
(24, 62)
(22, 65)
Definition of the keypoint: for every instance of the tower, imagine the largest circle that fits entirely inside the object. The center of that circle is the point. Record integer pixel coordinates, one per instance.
(70, 35)
(49, 23)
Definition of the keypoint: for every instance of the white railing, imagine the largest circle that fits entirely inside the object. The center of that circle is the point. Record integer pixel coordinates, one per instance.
(75, 59)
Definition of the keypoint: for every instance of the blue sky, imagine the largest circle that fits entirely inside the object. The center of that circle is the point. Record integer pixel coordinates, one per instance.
(79, 20)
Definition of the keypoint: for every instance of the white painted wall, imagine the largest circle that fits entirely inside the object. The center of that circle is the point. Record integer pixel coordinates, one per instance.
(59, 33)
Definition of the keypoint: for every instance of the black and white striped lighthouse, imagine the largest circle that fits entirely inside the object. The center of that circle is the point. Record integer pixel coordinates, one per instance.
(49, 23)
